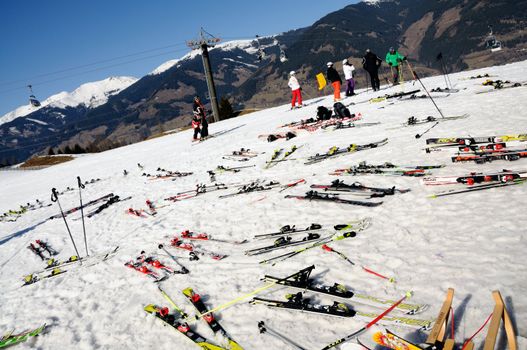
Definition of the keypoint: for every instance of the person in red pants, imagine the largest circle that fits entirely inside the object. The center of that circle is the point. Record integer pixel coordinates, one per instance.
(295, 90)
(333, 76)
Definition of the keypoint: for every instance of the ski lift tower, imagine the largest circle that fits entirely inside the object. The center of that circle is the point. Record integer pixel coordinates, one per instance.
(205, 41)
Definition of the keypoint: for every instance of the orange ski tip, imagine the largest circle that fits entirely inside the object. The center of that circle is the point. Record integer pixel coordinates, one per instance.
(378, 337)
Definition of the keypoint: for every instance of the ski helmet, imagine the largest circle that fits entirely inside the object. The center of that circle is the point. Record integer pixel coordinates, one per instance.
(345, 61)
(367, 50)
(392, 49)
(329, 64)
(292, 72)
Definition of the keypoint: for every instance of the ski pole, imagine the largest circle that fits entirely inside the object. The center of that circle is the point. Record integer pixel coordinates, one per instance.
(440, 59)
(81, 186)
(427, 130)
(329, 249)
(263, 329)
(183, 268)
(371, 323)
(169, 299)
(55, 198)
(417, 77)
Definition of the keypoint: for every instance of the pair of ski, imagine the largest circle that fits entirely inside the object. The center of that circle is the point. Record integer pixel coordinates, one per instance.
(200, 189)
(284, 242)
(315, 244)
(194, 251)
(348, 125)
(323, 124)
(274, 158)
(464, 141)
(325, 197)
(216, 134)
(56, 268)
(412, 121)
(168, 174)
(255, 186)
(183, 327)
(236, 169)
(41, 247)
(304, 283)
(187, 234)
(356, 187)
(477, 178)
(482, 148)
(482, 187)
(110, 201)
(354, 171)
(145, 265)
(75, 209)
(396, 95)
(336, 151)
(357, 225)
(485, 158)
(10, 339)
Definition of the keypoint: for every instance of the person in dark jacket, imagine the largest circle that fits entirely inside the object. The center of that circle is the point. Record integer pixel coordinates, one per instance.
(333, 76)
(371, 63)
(199, 113)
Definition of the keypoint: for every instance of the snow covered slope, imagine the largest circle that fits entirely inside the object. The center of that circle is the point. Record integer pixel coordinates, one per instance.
(472, 242)
(91, 95)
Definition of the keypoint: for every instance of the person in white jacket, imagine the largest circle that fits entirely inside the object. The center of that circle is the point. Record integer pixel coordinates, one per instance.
(295, 90)
(348, 75)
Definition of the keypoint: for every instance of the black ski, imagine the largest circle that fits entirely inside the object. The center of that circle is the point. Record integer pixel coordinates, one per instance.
(297, 302)
(315, 196)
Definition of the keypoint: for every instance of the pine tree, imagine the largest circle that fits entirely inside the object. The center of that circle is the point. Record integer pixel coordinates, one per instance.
(78, 149)
(50, 151)
(225, 107)
(68, 150)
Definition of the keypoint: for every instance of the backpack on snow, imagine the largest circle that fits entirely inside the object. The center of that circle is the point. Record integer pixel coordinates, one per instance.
(323, 113)
(341, 111)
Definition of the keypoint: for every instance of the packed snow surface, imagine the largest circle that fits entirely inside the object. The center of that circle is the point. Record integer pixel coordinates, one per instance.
(473, 242)
(91, 95)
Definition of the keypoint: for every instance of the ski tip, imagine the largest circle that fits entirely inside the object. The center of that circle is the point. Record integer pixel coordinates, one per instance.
(409, 294)
(392, 280)
(432, 196)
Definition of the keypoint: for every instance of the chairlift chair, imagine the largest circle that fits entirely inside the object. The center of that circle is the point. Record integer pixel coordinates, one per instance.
(491, 42)
(32, 99)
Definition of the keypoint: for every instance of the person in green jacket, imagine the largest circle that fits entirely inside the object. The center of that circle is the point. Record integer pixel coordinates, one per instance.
(394, 58)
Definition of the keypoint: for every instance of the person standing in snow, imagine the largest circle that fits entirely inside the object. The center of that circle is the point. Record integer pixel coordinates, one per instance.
(371, 63)
(394, 58)
(333, 76)
(200, 115)
(349, 71)
(295, 90)
(196, 125)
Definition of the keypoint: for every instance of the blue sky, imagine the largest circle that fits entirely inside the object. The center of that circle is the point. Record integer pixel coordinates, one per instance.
(45, 43)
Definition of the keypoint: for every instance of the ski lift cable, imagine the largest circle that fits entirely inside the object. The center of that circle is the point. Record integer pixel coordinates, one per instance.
(38, 83)
(2, 83)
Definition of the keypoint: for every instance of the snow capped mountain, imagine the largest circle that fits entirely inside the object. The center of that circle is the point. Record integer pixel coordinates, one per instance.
(91, 95)
(374, 2)
(248, 45)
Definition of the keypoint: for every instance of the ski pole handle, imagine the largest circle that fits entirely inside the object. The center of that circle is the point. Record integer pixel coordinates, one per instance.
(54, 194)
(327, 248)
(79, 182)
